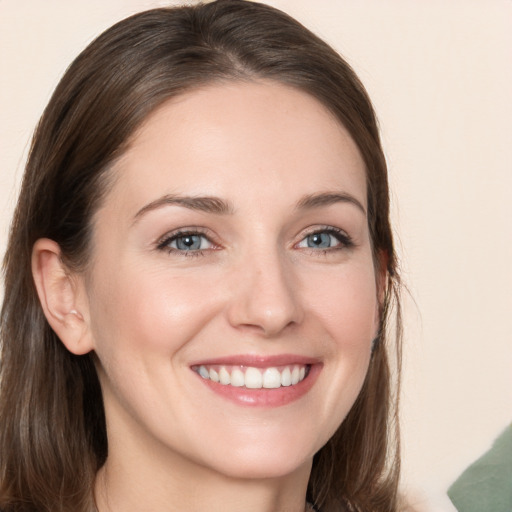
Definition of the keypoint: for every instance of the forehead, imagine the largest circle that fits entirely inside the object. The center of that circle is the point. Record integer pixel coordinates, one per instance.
(255, 134)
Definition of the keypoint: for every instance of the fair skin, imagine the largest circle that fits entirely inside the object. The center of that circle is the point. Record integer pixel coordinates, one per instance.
(235, 235)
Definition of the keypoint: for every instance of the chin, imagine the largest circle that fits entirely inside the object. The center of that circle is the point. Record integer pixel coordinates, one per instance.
(262, 459)
(264, 468)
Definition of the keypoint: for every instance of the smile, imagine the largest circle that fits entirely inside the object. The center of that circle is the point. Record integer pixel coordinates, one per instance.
(254, 378)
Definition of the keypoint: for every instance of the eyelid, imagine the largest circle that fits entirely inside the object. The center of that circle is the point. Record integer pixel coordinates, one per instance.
(342, 236)
(162, 243)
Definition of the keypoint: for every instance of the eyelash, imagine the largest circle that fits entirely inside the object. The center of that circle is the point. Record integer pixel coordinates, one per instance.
(164, 244)
(344, 240)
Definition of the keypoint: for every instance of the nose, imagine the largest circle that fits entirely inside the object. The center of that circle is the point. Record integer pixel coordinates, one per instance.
(265, 296)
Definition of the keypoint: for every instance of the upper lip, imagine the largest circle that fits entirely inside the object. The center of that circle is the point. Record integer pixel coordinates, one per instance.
(258, 361)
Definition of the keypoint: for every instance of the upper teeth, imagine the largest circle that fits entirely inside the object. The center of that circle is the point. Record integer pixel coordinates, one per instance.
(253, 378)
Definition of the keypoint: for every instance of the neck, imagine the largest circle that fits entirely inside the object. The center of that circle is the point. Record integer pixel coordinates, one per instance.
(136, 478)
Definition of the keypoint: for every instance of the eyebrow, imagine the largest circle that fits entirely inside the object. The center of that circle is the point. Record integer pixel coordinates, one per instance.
(328, 198)
(203, 204)
(219, 206)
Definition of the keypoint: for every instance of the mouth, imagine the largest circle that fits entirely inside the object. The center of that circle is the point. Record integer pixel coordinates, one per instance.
(264, 381)
(251, 377)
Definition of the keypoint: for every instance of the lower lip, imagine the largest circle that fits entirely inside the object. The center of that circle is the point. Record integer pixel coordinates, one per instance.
(263, 397)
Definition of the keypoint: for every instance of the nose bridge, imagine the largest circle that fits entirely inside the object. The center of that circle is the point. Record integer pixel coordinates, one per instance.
(265, 294)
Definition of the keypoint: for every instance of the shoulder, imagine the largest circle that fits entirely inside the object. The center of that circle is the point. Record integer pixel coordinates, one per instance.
(485, 485)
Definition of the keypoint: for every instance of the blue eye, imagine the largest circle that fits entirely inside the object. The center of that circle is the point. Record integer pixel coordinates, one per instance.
(186, 242)
(326, 239)
(320, 240)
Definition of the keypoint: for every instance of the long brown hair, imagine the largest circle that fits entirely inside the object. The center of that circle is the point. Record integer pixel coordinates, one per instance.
(53, 437)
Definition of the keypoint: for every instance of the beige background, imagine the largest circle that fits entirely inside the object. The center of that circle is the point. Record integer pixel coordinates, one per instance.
(440, 74)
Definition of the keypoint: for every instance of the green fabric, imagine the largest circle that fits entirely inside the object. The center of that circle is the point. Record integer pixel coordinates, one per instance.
(486, 486)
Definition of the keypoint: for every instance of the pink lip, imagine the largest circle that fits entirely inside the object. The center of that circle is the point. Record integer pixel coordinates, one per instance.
(263, 397)
(258, 361)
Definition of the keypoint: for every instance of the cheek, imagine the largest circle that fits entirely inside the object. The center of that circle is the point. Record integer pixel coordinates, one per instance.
(149, 311)
(346, 302)
(341, 310)
(140, 326)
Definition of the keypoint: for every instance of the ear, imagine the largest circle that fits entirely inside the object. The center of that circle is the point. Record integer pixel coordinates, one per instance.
(62, 296)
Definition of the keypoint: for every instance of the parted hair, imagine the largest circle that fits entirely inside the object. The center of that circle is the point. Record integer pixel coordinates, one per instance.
(53, 436)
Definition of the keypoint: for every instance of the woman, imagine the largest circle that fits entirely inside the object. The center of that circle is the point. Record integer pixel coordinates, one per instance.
(199, 278)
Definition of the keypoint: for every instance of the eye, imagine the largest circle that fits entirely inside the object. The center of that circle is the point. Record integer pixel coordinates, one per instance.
(319, 241)
(325, 239)
(191, 242)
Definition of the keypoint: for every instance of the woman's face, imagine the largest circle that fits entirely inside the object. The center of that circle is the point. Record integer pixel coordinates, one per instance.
(233, 247)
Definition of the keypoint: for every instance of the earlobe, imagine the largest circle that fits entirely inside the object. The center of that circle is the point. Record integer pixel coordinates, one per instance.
(61, 295)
